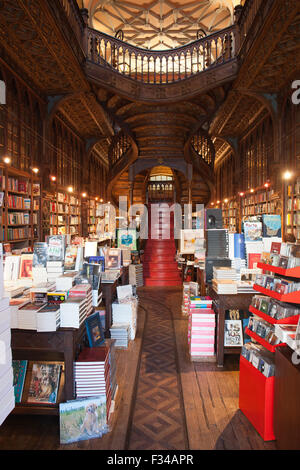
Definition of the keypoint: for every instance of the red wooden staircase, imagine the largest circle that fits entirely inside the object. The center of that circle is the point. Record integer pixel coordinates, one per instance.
(160, 267)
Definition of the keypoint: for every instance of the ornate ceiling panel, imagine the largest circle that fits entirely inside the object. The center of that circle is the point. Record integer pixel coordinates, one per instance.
(159, 24)
(32, 38)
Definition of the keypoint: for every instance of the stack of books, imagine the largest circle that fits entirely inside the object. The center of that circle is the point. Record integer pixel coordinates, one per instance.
(201, 328)
(27, 316)
(7, 395)
(121, 333)
(83, 291)
(125, 313)
(224, 286)
(222, 273)
(38, 294)
(66, 281)
(73, 312)
(48, 318)
(92, 374)
(136, 275)
(14, 305)
(12, 291)
(217, 243)
(54, 270)
(39, 275)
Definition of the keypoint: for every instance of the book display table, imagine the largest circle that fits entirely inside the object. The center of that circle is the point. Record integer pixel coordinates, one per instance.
(223, 303)
(61, 345)
(109, 292)
(286, 400)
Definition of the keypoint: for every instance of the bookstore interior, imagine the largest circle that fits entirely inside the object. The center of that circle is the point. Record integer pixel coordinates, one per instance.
(150, 242)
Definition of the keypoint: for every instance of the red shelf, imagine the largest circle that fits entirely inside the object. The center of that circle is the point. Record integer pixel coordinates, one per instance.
(291, 272)
(292, 297)
(284, 321)
(256, 399)
(263, 342)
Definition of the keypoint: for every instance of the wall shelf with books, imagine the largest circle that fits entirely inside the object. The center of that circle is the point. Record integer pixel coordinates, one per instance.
(292, 207)
(20, 214)
(230, 214)
(63, 211)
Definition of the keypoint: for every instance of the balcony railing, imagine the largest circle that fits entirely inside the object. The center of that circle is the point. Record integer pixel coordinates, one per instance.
(204, 148)
(162, 66)
(75, 18)
(120, 144)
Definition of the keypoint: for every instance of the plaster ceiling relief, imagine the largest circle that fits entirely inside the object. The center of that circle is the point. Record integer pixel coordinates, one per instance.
(159, 24)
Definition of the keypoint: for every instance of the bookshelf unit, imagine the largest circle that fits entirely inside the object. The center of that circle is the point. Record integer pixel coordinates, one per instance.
(92, 220)
(261, 201)
(292, 207)
(21, 207)
(230, 214)
(255, 388)
(64, 213)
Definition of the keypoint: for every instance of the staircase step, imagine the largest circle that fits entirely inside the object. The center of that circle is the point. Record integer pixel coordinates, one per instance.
(162, 283)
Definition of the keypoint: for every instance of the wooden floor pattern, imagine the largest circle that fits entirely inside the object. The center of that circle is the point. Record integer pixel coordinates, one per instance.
(165, 401)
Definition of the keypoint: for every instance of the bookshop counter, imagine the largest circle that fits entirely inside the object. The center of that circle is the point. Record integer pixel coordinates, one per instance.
(223, 303)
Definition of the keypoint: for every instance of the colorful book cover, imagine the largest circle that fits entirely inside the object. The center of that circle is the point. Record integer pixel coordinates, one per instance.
(26, 266)
(83, 419)
(98, 260)
(19, 372)
(44, 383)
(70, 257)
(94, 330)
(56, 247)
(275, 248)
(271, 225)
(253, 231)
(40, 254)
(253, 259)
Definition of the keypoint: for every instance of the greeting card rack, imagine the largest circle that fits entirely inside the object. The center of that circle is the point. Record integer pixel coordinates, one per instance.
(256, 392)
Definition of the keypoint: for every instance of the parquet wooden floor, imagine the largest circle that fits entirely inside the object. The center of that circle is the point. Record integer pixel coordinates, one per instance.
(165, 400)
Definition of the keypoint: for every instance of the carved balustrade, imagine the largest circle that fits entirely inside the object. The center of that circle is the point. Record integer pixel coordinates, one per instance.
(161, 67)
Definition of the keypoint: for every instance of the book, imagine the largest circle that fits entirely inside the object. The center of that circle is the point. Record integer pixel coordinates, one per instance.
(94, 330)
(44, 383)
(19, 371)
(56, 247)
(83, 419)
(253, 259)
(275, 248)
(253, 231)
(40, 254)
(113, 258)
(271, 225)
(26, 264)
(70, 257)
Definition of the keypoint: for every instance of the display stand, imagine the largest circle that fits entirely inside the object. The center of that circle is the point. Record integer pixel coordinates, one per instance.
(223, 303)
(61, 345)
(256, 395)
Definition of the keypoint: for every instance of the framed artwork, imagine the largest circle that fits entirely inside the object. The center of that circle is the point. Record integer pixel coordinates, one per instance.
(189, 240)
(233, 335)
(126, 238)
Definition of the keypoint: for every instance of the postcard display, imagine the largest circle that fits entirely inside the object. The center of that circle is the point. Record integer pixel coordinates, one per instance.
(276, 310)
(7, 397)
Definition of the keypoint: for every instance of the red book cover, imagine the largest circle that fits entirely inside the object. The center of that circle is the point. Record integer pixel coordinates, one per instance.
(275, 248)
(253, 259)
(93, 354)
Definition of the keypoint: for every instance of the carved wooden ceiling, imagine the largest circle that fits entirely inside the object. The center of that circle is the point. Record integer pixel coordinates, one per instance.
(273, 59)
(159, 24)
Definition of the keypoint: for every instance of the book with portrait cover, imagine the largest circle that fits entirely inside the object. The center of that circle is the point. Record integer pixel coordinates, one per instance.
(19, 373)
(44, 383)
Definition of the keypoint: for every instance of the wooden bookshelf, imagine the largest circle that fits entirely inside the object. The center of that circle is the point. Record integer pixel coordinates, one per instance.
(292, 208)
(230, 214)
(261, 201)
(21, 207)
(92, 220)
(64, 212)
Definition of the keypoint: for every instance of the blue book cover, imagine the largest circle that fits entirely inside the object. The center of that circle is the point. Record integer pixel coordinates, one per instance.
(19, 372)
(239, 246)
(94, 330)
(272, 225)
(98, 260)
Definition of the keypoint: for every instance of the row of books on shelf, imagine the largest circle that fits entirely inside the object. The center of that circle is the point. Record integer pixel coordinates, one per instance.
(17, 202)
(260, 358)
(293, 204)
(18, 218)
(281, 286)
(20, 185)
(263, 329)
(273, 308)
(262, 208)
(18, 233)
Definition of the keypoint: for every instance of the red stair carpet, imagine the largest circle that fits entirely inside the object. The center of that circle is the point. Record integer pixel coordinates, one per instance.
(160, 267)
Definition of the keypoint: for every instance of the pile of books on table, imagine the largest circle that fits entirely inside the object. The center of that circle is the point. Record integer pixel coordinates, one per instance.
(125, 313)
(84, 292)
(7, 396)
(92, 374)
(121, 333)
(73, 312)
(201, 328)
